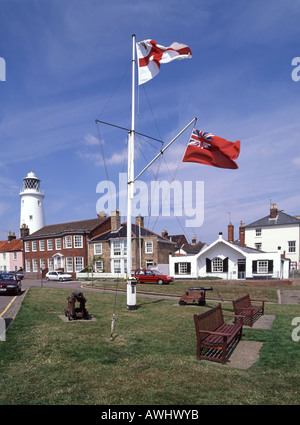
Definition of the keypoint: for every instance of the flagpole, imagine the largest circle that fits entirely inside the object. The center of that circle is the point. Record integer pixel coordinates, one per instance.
(131, 286)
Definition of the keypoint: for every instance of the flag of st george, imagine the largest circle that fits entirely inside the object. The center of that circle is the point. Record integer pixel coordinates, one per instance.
(206, 148)
(151, 55)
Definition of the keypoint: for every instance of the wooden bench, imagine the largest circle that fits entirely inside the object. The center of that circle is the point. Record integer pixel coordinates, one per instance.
(243, 306)
(214, 335)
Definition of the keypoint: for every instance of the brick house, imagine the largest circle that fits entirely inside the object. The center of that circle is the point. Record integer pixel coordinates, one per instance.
(61, 246)
(109, 250)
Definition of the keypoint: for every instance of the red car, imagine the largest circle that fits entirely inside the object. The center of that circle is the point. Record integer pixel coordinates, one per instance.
(10, 284)
(151, 276)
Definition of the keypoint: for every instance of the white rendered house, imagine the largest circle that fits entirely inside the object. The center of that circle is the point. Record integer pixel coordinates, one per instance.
(228, 260)
(277, 229)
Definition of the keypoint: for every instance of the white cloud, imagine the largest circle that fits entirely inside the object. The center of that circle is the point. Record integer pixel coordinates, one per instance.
(296, 161)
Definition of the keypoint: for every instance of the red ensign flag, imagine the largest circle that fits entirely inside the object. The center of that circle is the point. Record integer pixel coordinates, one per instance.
(206, 148)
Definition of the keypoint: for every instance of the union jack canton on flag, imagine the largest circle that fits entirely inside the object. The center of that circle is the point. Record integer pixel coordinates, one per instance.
(197, 139)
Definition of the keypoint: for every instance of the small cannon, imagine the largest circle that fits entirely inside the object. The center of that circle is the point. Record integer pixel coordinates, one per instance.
(73, 312)
(195, 295)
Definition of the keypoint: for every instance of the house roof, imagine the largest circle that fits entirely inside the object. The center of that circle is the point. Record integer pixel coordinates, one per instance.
(136, 231)
(243, 249)
(280, 220)
(190, 248)
(11, 246)
(179, 239)
(82, 226)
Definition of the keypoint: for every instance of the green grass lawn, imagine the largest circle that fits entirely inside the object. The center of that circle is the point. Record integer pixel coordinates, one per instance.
(151, 361)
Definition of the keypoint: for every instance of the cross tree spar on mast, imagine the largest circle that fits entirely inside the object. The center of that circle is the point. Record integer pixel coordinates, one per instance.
(131, 282)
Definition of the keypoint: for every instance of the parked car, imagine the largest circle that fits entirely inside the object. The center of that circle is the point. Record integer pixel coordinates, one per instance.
(10, 284)
(19, 275)
(58, 276)
(151, 276)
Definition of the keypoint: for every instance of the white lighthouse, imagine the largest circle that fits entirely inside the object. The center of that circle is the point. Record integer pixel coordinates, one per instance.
(32, 204)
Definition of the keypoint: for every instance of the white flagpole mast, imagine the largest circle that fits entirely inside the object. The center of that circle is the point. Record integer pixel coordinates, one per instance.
(131, 286)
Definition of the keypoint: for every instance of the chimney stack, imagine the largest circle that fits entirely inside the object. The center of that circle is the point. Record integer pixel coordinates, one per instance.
(101, 214)
(164, 233)
(115, 220)
(24, 231)
(242, 234)
(230, 232)
(273, 211)
(139, 221)
(11, 236)
(193, 241)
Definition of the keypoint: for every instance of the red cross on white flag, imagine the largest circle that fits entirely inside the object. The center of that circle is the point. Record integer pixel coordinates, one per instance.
(151, 55)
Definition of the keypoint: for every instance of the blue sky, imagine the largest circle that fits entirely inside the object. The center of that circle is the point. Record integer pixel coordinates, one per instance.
(69, 63)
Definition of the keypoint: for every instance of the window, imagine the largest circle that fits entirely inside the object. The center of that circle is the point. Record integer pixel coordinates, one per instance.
(149, 263)
(184, 268)
(98, 248)
(99, 266)
(27, 265)
(258, 232)
(116, 248)
(27, 247)
(58, 244)
(292, 246)
(262, 266)
(34, 246)
(149, 247)
(68, 241)
(34, 265)
(15, 255)
(258, 246)
(217, 265)
(42, 245)
(69, 263)
(78, 264)
(42, 263)
(77, 241)
(49, 245)
(50, 264)
(117, 266)
(4, 255)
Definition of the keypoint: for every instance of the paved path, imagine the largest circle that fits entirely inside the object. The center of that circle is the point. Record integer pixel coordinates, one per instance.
(289, 296)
